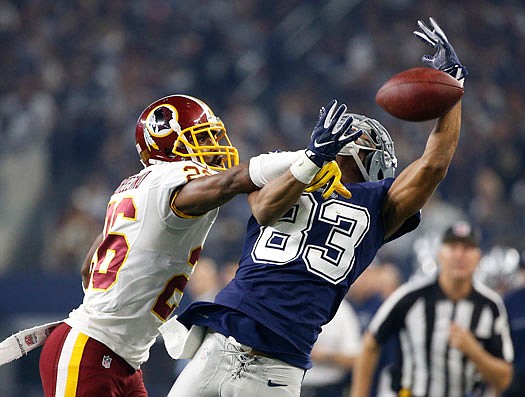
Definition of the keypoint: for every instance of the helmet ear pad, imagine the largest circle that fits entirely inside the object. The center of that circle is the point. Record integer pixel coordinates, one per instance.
(370, 160)
(373, 164)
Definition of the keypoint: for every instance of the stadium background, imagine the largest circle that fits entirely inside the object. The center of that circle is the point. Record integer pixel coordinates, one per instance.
(76, 75)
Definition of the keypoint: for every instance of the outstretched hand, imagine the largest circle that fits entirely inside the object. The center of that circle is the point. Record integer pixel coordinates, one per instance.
(445, 58)
(332, 131)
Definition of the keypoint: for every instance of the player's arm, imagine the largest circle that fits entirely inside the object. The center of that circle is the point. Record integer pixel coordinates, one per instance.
(86, 265)
(418, 181)
(201, 195)
(274, 199)
(365, 366)
(283, 192)
(414, 186)
(332, 131)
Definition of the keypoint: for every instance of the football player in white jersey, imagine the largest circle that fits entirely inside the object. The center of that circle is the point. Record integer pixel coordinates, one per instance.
(155, 227)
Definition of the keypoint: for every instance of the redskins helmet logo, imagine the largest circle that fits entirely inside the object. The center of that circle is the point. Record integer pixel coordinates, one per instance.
(161, 122)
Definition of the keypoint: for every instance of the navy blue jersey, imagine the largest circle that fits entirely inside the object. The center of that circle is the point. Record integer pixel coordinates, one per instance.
(294, 274)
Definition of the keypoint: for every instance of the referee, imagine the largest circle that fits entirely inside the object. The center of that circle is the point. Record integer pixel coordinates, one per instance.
(453, 331)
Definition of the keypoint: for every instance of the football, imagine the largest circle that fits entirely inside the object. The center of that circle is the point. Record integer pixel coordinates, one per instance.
(419, 94)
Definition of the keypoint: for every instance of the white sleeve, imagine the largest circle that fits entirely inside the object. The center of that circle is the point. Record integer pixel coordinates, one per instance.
(268, 166)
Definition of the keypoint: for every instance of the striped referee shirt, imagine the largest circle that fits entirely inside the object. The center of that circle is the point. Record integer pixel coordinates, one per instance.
(421, 314)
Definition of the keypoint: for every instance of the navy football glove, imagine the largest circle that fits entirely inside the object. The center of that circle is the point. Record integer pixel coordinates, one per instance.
(332, 131)
(445, 58)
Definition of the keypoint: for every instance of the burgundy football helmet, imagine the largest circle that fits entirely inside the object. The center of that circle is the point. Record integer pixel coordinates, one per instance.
(181, 127)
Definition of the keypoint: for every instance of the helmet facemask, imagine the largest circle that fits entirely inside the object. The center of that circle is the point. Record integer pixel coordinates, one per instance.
(380, 161)
(217, 143)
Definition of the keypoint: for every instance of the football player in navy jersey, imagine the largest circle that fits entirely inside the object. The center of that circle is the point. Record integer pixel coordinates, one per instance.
(302, 253)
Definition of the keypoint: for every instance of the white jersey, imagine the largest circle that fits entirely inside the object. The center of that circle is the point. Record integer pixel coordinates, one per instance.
(144, 262)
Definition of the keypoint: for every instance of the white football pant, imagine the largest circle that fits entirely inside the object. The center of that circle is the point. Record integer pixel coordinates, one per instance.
(223, 367)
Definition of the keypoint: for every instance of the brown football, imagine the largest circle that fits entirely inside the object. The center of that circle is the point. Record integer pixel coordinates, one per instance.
(419, 94)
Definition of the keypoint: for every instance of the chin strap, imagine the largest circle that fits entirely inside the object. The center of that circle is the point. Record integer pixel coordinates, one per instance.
(353, 150)
(361, 166)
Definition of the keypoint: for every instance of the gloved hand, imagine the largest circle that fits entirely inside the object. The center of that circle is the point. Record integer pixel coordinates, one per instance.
(332, 131)
(445, 58)
(328, 178)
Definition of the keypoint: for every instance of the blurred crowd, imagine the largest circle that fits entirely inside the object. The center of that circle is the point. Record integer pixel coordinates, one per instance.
(76, 75)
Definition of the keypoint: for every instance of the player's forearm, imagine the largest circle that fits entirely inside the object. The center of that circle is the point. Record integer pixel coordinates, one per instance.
(274, 199)
(204, 194)
(431, 168)
(281, 193)
(417, 182)
(494, 370)
(364, 367)
(443, 140)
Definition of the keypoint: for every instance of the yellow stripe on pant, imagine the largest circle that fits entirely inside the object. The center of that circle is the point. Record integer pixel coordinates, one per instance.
(74, 365)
